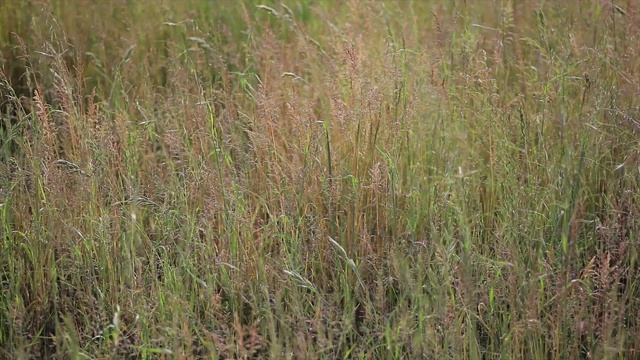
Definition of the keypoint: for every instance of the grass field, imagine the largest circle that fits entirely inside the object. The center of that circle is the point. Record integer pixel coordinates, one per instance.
(320, 179)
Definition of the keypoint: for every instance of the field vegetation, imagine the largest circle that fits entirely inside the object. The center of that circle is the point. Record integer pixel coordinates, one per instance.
(320, 179)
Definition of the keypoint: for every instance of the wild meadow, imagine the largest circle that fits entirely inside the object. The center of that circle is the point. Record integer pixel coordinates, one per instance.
(320, 179)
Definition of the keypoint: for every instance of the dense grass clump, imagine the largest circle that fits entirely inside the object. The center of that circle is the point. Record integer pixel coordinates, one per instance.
(319, 179)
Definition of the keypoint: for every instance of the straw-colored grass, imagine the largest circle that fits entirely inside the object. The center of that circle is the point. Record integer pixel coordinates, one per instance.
(319, 179)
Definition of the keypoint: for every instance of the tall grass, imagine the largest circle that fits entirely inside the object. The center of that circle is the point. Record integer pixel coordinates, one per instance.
(319, 179)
